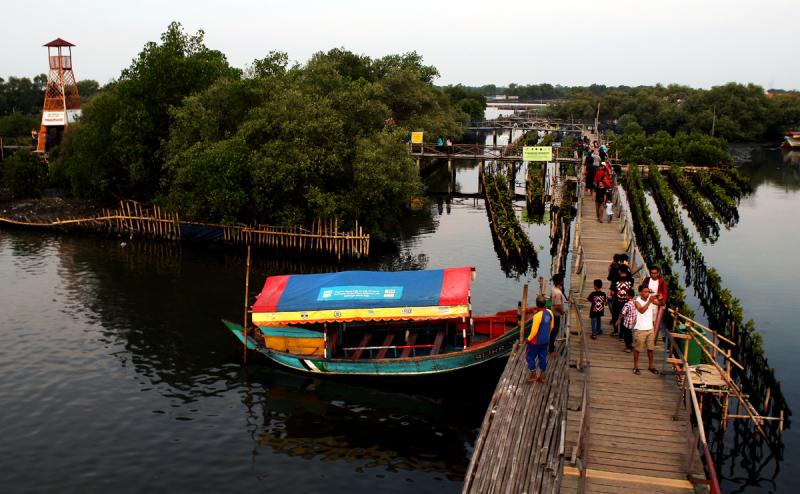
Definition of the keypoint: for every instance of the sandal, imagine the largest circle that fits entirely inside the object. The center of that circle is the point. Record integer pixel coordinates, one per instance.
(637, 371)
(654, 371)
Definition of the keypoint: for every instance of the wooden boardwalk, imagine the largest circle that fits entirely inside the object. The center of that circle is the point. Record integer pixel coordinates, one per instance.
(633, 440)
(520, 447)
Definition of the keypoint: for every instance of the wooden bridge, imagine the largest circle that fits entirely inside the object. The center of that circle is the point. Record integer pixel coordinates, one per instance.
(593, 425)
(526, 124)
(480, 152)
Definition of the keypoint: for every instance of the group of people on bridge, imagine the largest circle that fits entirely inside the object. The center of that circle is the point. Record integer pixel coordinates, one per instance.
(598, 179)
(635, 319)
(636, 311)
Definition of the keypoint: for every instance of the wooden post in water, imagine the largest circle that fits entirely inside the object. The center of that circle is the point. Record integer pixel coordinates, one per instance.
(522, 315)
(246, 290)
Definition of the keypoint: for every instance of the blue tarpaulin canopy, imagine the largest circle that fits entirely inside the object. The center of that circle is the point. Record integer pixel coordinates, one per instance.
(364, 296)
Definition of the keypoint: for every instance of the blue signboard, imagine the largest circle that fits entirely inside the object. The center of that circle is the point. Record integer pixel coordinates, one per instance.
(360, 292)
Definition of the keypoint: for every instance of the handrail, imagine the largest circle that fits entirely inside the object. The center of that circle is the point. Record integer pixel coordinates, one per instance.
(691, 403)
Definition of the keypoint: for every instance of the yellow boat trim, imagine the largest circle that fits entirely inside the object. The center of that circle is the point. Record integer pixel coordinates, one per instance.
(385, 314)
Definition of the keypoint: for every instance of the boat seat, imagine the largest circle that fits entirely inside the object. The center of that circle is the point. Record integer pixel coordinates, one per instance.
(407, 351)
(437, 342)
(386, 342)
(364, 342)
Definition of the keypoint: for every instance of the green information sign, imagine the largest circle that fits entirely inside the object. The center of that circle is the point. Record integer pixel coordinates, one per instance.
(537, 153)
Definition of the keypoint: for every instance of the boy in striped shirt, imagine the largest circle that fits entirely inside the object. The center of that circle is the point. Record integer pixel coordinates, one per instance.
(627, 319)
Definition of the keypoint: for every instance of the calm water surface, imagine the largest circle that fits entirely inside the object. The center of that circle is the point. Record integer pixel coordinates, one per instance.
(116, 374)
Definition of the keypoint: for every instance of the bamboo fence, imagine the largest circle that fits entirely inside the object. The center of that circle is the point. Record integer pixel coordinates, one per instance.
(135, 220)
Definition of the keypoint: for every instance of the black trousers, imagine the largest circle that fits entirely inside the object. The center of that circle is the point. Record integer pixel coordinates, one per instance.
(616, 309)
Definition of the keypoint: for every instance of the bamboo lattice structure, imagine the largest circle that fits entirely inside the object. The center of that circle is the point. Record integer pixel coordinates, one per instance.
(135, 220)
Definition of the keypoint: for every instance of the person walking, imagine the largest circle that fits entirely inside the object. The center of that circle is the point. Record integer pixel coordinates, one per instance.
(627, 321)
(620, 289)
(602, 184)
(539, 337)
(557, 305)
(644, 335)
(609, 208)
(597, 308)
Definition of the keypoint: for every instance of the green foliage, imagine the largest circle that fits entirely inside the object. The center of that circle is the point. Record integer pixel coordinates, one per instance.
(22, 95)
(24, 174)
(116, 147)
(724, 204)
(535, 186)
(273, 144)
(634, 146)
(649, 240)
(467, 101)
(514, 243)
(17, 125)
(700, 212)
(735, 112)
(87, 88)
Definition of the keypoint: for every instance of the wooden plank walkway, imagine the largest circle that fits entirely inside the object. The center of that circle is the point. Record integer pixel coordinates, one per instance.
(634, 443)
(519, 449)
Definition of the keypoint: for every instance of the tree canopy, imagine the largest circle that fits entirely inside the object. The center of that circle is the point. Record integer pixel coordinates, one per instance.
(271, 144)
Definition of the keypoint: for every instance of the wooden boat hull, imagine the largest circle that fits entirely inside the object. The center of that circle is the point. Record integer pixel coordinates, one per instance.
(409, 366)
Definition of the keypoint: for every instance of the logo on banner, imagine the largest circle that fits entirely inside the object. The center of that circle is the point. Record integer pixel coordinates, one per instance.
(359, 292)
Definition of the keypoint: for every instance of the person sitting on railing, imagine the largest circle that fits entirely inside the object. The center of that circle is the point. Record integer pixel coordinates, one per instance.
(627, 321)
(541, 327)
(644, 333)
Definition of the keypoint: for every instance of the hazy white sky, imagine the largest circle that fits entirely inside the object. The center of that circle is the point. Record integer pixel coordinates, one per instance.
(700, 42)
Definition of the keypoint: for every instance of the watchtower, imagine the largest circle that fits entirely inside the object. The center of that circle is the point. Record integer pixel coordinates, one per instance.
(62, 104)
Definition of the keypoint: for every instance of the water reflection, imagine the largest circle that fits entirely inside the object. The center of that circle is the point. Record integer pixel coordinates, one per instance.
(422, 426)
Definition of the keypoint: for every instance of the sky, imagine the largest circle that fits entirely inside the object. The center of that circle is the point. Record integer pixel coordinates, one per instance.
(700, 43)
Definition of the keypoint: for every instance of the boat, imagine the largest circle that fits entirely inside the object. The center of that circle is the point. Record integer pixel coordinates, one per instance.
(791, 140)
(376, 323)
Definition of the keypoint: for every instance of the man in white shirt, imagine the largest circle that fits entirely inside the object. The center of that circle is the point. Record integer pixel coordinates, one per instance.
(644, 334)
(557, 306)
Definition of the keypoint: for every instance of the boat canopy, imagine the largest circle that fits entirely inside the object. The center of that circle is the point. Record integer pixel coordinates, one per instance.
(364, 296)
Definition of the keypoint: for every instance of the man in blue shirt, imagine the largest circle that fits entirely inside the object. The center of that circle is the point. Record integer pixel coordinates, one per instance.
(541, 325)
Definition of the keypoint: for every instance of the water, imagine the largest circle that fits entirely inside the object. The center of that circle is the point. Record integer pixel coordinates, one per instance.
(117, 375)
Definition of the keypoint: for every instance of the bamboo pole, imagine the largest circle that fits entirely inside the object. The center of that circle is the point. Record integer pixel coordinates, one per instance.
(246, 300)
(522, 315)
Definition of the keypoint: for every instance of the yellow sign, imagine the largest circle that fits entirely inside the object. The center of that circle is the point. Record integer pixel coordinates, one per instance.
(537, 153)
(416, 138)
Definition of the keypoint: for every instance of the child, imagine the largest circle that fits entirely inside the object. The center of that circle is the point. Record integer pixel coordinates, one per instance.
(627, 321)
(597, 299)
(609, 209)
